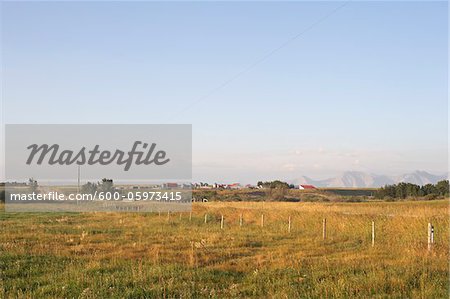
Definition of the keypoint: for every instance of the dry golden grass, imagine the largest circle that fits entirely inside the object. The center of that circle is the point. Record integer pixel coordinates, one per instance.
(94, 255)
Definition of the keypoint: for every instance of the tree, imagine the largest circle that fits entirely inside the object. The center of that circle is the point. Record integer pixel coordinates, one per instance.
(106, 185)
(277, 184)
(89, 188)
(442, 188)
(429, 189)
(33, 185)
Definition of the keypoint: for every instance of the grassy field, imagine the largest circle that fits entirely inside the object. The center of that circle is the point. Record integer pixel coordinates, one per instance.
(134, 255)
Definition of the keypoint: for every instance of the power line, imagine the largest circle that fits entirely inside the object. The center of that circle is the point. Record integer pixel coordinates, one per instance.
(264, 58)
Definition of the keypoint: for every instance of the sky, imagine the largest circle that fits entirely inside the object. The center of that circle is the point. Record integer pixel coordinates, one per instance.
(273, 90)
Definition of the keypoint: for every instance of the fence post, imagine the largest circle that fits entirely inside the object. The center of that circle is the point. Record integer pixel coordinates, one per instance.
(262, 220)
(289, 225)
(430, 236)
(324, 228)
(221, 223)
(240, 220)
(373, 233)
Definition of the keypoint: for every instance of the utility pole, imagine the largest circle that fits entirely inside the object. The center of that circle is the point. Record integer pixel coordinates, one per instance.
(78, 188)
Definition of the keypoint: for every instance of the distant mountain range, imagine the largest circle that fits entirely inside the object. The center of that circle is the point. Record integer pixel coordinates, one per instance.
(357, 179)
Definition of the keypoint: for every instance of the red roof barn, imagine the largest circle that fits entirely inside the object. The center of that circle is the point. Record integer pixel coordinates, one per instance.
(302, 187)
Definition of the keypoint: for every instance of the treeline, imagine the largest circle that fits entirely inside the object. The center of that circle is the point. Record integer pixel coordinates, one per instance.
(405, 190)
(277, 184)
(106, 185)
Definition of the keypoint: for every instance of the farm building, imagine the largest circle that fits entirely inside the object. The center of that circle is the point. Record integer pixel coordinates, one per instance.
(303, 187)
(170, 185)
(234, 186)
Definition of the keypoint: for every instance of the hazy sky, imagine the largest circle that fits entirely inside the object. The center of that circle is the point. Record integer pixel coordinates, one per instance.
(361, 88)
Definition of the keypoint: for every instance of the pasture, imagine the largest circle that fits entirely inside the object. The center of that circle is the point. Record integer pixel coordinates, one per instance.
(147, 255)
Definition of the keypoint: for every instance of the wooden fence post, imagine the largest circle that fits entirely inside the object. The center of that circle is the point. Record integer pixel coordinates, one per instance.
(324, 228)
(289, 225)
(373, 233)
(221, 223)
(430, 236)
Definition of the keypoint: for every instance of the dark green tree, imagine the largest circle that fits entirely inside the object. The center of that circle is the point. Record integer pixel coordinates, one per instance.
(404, 190)
(106, 185)
(89, 188)
(442, 188)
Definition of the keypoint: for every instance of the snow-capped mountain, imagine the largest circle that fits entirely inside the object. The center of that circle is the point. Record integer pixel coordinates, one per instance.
(357, 179)
(421, 178)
